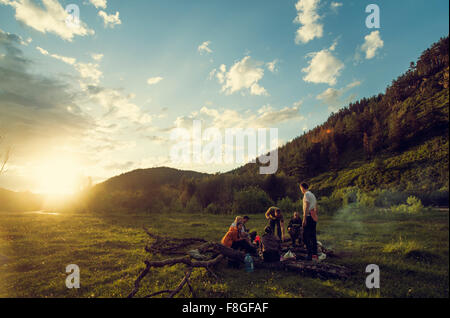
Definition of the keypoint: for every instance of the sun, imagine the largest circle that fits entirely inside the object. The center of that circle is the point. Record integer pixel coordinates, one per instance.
(56, 176)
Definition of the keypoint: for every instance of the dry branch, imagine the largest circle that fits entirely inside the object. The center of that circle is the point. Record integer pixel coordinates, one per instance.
(196, 259)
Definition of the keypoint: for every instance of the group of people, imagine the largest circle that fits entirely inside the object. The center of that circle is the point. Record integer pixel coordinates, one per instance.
(301, 229)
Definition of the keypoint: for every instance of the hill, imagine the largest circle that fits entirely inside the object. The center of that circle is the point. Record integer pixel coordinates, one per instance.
(19, 201)
(396, 140)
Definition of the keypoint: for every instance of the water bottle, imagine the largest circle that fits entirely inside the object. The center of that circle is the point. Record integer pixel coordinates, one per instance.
(248, 260)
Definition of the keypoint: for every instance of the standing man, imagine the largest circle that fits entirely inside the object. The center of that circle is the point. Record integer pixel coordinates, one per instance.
(310, 218)
(276, 219)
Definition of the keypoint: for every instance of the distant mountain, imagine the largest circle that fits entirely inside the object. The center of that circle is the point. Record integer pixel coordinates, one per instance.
(151, 178)
(19, 201)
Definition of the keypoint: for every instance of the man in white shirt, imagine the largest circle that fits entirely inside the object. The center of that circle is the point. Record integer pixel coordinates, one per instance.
(310, 218)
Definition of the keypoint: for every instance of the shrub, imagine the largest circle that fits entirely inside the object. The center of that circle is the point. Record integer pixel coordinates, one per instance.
(388, 198)
(193, 206)
(288, 207)
(212, 208)
(365, 200)
(413, 205)
(329, 206)
(251, 200)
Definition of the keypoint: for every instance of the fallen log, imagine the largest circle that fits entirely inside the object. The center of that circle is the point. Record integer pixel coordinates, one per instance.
(198, 258)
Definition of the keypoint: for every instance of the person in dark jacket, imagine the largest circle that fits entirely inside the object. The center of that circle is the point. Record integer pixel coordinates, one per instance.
(251, 235)
(276, 221)
(295, 228)
(271, 246)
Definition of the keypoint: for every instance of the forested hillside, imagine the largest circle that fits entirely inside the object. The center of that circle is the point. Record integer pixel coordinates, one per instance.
(410, 118)
(397, 141)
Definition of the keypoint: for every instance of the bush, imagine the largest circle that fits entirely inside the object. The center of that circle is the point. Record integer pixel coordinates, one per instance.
(251, 200)
(347, 195)
(193, 206)
(388, 198)
(413, 205)
(329, 206)
(365, 200)
(212, 208)
(288, 207)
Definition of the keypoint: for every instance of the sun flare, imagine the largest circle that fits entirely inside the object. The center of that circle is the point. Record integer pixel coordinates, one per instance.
(57, 176)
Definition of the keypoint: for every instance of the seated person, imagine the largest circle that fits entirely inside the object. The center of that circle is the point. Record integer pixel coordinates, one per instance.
(233, 239)
(295, 228)
(271, 246)
(252, 235)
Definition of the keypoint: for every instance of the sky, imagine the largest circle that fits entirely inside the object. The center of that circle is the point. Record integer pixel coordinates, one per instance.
(101, 95)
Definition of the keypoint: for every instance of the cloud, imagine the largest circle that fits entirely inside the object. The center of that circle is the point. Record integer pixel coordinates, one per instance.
(272, 66)
(332, 97)
(51, 18)
(68, 60)
(110, 20)
(243, 75)
(154, 80)
(99, 3)
(265, 117)
(89, 72)
(204, 48)
(308, 18)
(323, 67)
(372, 43)
(97, 56)
(335, 5)
(118, 105)
(37, 112)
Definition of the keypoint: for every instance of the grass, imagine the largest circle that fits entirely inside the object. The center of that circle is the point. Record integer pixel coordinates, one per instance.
(412, 252)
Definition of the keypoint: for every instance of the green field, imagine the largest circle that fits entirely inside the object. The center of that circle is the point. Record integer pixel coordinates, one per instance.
(412, 252)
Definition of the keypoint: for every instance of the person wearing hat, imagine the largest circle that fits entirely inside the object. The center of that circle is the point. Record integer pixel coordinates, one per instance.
(271, 246)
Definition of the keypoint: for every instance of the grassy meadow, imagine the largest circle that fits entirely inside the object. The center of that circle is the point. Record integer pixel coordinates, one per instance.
(412, 251)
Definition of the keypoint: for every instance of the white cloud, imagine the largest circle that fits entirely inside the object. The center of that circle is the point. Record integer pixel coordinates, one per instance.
(118, 105)
(323, 68)
(154, 80)
(89, 71)
(243, 75)
(98, 57)
(265, 117)
(110, 20)
(308, 17)
(335, 5)
(51, 18)
(372, 43)
(99, 3)
(204, 47)
(332, 97)
(68, 60)
(272, 66)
